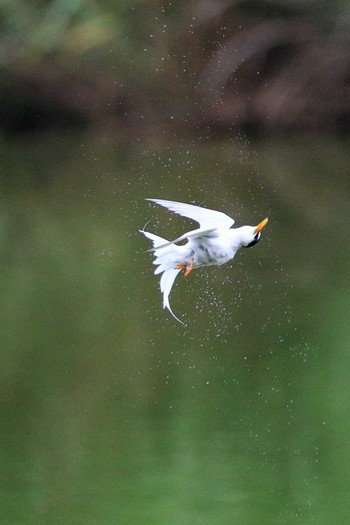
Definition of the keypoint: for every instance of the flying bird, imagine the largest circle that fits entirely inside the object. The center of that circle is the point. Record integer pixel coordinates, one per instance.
(215, 242)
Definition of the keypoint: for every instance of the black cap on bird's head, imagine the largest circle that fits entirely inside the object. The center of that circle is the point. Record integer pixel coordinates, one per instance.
(256, 233)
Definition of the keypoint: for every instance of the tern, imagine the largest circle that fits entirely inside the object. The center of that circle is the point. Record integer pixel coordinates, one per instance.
(215, 242)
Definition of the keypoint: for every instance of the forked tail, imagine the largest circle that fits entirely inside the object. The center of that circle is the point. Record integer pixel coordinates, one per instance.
(164, 259)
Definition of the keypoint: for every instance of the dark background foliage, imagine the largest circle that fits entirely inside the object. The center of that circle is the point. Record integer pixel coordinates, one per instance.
(142, 68)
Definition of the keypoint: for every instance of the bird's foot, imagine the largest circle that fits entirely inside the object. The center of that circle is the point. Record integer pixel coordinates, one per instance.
(189, 267)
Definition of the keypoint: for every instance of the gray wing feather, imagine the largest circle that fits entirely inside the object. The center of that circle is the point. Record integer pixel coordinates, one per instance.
(206, 218)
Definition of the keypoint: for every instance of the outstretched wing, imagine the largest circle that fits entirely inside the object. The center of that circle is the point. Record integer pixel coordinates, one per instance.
(199, 233)
(207, 219)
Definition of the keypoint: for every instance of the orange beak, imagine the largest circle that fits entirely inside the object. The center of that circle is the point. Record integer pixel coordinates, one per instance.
(261, 225)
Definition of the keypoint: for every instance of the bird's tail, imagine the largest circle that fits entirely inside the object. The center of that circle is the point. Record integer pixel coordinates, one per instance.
(166, 261)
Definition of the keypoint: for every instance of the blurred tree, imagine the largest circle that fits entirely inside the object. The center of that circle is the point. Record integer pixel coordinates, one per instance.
(137, 67)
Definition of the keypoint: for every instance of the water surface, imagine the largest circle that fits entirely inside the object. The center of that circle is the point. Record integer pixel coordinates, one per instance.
(112, 412)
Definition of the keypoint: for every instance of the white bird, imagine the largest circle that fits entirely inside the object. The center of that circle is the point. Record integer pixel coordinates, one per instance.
(213, 243)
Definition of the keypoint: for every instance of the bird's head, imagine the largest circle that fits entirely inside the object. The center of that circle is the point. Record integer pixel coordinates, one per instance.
(250, 235)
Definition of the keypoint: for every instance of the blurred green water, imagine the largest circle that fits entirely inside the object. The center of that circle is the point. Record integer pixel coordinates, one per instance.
(111, 412)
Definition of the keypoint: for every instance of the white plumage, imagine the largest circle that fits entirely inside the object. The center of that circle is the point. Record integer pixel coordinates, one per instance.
(213, 243)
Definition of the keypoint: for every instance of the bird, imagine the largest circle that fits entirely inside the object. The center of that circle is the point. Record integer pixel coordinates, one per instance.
(213, 243)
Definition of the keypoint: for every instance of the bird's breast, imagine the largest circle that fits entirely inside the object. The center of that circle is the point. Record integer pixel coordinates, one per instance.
(209, 252)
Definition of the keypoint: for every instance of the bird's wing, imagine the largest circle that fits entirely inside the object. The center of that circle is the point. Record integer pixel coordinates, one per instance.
(212, 232)
(207, 219)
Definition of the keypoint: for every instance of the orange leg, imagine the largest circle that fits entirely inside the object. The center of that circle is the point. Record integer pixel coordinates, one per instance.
(189, 268)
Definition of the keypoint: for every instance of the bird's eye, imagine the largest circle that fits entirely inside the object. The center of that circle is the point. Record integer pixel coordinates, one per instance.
(256, 239)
